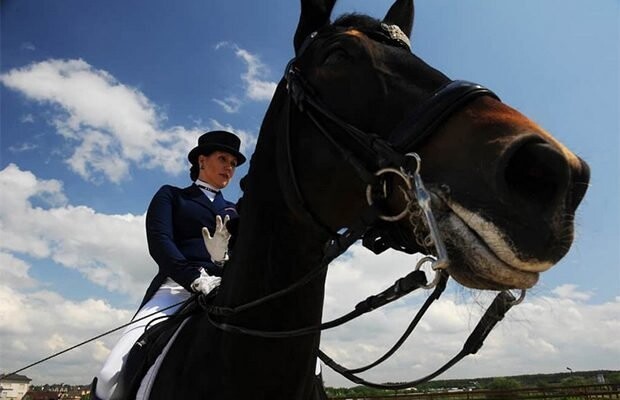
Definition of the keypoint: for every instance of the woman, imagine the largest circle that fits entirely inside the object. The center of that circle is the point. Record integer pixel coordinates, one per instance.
(178, 243)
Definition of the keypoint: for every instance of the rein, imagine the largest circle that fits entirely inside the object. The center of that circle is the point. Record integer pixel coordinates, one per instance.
(495, 313)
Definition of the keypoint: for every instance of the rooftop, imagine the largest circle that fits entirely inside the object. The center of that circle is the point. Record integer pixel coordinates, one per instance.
(14, 378)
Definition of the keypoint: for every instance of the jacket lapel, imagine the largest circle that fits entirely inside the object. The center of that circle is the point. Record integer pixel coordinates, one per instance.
(194, 193)
(218, 204)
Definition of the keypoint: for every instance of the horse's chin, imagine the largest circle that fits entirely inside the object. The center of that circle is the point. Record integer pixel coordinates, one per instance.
(480, 256)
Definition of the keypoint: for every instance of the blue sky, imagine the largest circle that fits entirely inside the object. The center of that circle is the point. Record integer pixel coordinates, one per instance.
(101, 101)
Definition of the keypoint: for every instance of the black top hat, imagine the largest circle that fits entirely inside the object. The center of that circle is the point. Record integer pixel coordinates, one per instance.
(217, 140)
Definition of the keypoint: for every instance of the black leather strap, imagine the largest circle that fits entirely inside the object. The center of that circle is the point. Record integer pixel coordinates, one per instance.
(427, 117)
(495, 313)
(400, 288)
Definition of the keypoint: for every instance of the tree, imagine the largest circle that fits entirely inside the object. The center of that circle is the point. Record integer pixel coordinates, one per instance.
(575, 380)
(613, 377)
(502, 385)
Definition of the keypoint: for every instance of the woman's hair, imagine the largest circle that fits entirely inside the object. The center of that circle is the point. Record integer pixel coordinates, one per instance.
(194, 171)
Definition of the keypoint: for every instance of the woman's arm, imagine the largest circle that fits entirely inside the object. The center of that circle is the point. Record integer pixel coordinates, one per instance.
(160, 238)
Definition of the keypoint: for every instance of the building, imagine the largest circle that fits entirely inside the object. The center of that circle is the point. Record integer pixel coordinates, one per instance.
(14, 386)
(42, 395)
(59, 391)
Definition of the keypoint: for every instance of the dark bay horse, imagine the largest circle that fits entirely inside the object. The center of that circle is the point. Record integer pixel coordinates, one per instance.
(503, 190)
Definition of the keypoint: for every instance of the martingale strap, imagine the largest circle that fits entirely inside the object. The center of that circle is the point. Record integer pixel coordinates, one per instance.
(495, 313)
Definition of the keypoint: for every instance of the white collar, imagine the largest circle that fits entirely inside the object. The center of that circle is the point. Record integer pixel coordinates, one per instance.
(207, 189)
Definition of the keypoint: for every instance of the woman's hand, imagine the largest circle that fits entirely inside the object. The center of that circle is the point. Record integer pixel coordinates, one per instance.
(205, 283)
(217, 245)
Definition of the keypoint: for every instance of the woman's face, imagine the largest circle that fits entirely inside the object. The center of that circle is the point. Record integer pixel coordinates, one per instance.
(217, 169)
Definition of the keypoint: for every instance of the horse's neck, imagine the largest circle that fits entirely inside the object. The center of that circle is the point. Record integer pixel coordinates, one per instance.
(274, 248)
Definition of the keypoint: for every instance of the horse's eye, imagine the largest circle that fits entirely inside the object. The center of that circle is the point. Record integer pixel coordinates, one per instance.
(336, 56)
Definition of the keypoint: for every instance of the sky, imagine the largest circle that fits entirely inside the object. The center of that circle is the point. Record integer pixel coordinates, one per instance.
(101, 101)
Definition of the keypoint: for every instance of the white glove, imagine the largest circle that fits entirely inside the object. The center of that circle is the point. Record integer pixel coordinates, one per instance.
(205, 283)
(217, 245)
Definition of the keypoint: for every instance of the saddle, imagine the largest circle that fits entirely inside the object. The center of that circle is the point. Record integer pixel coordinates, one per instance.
(151, 344)
(154, 340)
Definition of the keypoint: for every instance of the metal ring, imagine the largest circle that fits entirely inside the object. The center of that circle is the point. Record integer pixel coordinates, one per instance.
(418, 160)
(520, 299)
(407, 181)
(432, 260)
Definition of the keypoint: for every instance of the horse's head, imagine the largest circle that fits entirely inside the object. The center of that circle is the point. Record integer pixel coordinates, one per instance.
(504, 191)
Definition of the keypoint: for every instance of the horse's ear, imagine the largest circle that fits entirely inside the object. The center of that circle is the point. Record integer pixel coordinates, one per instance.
(314, 15)
(401, 14)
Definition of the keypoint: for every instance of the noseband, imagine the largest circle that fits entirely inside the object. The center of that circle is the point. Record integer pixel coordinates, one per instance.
(390, 157)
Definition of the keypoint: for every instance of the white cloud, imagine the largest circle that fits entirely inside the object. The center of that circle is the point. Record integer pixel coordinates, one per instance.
(221, 44)
(571, 292)
(114, 127)
(544, 334)
(28, 46)
(231, 104)
(22, 147)
(27, 118)
(109, 250)
(106, 119)
(256, 86)
(38, 324)
(96, 151)
(14, 272)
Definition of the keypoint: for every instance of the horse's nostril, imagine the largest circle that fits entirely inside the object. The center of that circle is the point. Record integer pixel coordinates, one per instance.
(539, 174)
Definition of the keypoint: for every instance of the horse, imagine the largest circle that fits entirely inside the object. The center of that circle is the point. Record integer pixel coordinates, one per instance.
(344, 122)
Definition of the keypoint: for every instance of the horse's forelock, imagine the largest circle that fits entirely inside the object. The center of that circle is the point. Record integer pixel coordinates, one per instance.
(359, 21)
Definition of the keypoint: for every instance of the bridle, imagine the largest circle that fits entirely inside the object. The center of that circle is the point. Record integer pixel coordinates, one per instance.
(391, 157)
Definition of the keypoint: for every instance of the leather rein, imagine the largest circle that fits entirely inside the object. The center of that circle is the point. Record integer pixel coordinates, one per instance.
(417, 126)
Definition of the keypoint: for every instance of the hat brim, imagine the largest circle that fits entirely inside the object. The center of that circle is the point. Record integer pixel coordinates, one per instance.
(210, 148)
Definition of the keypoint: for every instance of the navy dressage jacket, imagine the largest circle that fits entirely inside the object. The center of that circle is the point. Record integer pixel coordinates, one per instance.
(174, 222)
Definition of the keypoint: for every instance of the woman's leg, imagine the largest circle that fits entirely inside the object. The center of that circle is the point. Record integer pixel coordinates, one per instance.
(107, 378)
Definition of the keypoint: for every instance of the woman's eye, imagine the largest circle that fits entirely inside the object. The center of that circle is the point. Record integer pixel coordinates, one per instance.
(336, 56)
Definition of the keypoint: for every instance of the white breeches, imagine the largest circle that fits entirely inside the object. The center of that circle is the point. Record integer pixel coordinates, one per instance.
(168, 294)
